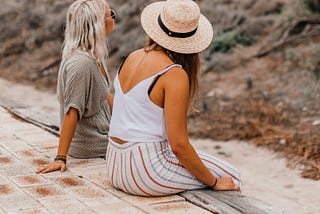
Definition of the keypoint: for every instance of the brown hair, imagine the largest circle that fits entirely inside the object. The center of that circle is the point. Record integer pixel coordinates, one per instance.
(189, 62)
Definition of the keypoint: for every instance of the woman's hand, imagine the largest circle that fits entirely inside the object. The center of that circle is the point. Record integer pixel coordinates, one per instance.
(67, 130)
(56, 165)
(225, 184)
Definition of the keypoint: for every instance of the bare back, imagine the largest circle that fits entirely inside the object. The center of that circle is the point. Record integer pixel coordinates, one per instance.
(141, 65)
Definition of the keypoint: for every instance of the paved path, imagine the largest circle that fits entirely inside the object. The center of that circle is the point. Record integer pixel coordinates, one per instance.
(83, 188)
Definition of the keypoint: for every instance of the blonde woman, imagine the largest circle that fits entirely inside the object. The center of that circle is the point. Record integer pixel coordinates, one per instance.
(149, 152)
(83, 84)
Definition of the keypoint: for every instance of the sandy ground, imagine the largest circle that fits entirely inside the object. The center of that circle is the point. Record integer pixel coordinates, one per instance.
(265, 174)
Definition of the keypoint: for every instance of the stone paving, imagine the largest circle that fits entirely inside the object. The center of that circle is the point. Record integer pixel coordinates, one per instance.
(83, 188)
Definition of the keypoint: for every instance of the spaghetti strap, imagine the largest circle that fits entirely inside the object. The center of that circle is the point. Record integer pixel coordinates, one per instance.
(168, 68)
(123, 59)
(159, 75)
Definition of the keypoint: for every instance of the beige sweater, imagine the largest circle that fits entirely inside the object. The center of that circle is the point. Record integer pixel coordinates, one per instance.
(82, 86)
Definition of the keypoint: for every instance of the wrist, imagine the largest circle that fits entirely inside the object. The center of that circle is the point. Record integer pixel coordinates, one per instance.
(214, 183)
(61, 158)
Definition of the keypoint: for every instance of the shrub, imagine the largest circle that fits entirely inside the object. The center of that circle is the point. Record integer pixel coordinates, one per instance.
(313, 5)
(225, 41)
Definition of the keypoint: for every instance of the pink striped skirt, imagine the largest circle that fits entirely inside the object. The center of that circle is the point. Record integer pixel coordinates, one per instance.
(152, 169)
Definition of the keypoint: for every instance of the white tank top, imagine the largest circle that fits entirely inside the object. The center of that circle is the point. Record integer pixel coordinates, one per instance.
(134, 116)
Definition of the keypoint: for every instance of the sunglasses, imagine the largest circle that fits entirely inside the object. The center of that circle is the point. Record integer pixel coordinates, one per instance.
(112, 15)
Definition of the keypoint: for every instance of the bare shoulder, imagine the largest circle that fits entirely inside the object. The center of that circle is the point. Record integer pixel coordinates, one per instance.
(176, 79)
(177, 74)
(136, 52)
(134, 57)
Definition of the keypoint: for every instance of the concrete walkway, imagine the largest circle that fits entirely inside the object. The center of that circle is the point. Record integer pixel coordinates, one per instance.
(83, 188)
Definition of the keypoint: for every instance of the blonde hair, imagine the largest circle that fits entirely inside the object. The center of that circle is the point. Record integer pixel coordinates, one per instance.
(85, 29)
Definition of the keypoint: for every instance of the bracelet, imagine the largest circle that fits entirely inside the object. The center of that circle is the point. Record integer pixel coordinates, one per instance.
(61, 159)
(215, 183)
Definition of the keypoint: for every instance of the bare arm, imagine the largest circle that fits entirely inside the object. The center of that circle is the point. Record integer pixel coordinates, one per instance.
(176, 107)
(67, 131)
(110, 101)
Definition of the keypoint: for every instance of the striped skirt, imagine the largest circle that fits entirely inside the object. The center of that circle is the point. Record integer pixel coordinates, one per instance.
(152, 169)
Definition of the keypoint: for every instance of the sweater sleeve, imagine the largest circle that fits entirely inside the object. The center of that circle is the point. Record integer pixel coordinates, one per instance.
(78, 85)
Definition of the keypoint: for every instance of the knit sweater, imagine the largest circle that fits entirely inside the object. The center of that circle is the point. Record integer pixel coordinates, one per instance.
(82, 86)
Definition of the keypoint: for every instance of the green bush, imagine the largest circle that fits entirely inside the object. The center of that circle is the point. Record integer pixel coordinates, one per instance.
(225, 41)
(313, 5)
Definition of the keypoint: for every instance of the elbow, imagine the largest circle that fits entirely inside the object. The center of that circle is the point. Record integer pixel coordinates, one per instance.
(177, 148)
(179, 142)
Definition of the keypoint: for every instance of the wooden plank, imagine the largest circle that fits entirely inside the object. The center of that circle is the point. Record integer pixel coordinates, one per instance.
(32, 115)
(37, 118)
(228, 202)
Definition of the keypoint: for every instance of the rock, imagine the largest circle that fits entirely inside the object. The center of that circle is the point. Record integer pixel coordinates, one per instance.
(316, 123)
(282, 141)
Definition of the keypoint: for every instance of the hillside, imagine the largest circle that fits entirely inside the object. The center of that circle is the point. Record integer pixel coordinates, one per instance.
(259, 80)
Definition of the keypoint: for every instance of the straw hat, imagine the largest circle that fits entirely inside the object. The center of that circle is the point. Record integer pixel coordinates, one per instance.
(177, 25)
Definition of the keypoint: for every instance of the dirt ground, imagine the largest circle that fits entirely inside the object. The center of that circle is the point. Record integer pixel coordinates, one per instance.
(272, 101)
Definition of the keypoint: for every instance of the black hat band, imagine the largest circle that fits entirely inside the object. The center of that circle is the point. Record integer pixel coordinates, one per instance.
(175, 34)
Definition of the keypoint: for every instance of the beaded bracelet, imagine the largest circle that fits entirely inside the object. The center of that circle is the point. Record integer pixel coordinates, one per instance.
(215, 183)
(61, 159)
